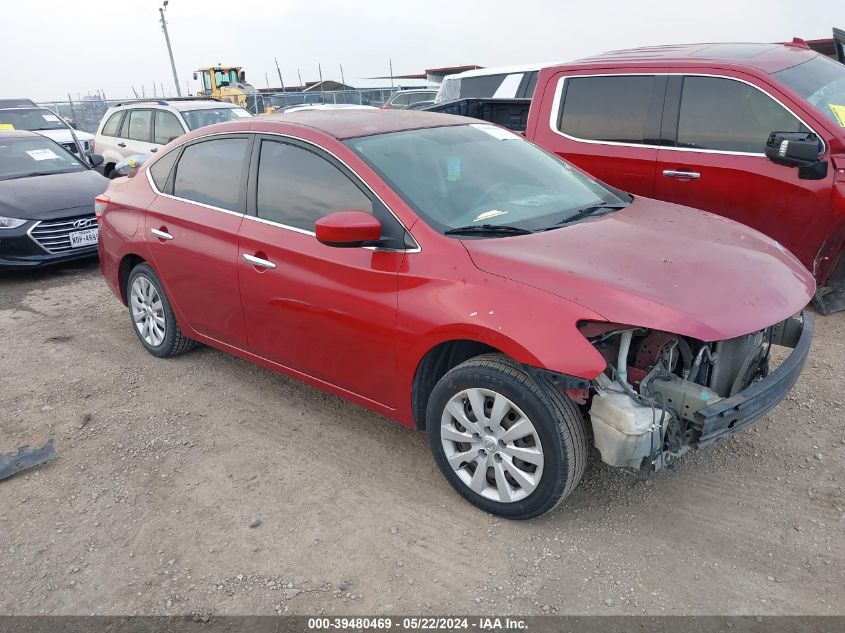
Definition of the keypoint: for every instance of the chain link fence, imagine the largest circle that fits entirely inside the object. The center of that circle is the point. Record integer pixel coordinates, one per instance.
(86, 114)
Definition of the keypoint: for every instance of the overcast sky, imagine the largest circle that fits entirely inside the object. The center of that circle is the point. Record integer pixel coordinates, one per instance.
(54, 47)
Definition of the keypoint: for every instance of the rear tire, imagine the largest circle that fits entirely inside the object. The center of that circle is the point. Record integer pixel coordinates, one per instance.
(152, 315)
(521, 417)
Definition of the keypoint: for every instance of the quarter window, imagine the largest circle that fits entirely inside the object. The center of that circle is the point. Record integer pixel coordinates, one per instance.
(160, 170)
(211, 172)
(139, 125)
(728, 115)
(296, 187)
(613, 108)
(112, 125)
(167, 127)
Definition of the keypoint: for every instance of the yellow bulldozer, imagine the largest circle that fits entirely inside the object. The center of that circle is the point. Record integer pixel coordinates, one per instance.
(228, 83)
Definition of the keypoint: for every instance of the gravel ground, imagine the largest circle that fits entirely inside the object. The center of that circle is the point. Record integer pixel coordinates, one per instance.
(204, 484)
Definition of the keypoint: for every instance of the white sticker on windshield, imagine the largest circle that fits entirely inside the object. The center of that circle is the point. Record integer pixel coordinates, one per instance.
(242, 114)
(50, 117)
(496, 132)
(41, 154)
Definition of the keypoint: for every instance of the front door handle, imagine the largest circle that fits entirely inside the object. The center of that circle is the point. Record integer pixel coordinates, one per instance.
(257, 261)
(681, 174)
(162, 235)
(153, 149)
(121, 144)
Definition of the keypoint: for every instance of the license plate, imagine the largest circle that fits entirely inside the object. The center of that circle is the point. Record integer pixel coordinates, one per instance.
(83, 238)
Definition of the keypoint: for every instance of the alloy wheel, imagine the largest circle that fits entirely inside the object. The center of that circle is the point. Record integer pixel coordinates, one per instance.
(147, 311)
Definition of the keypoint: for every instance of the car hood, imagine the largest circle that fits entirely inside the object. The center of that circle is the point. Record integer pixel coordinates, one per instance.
(44, 197)
(64, 135)
(660, 266)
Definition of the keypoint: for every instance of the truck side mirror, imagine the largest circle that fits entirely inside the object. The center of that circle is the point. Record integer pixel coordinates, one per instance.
(797, 149)
(195, 76)
(242, 77)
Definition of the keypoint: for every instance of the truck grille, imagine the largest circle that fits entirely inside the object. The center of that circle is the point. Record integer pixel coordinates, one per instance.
(54, 235)
(71, 147)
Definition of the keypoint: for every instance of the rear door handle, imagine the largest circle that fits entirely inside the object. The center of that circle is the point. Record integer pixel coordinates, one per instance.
(257, 261)
(681, 174)
(162, 235)
(121, 144)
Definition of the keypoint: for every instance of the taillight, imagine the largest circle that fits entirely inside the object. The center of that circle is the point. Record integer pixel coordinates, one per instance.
(386, 106)
(100, 204)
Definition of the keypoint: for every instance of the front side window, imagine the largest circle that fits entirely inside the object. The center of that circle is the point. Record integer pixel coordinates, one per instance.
(140, 124)
(211, 172)
(728, 115)
(23, 157)
(481, 175)
(167, 127)
(112, 125)
(612, 108)
(821, 81)
(206, 80)
(296, 187)
(209, 116)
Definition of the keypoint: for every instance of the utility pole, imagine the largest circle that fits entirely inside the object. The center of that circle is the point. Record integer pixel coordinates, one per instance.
(169, 50)
(391, 73)
(342, 80)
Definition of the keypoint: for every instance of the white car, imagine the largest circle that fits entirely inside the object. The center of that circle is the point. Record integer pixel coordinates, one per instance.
(26, 115)
(142, 126)
(504, 82)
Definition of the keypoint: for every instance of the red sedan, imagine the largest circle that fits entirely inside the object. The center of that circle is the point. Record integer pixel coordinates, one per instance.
(455, 277)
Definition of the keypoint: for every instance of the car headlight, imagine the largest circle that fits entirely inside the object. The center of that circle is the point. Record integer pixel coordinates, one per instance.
(11, 223)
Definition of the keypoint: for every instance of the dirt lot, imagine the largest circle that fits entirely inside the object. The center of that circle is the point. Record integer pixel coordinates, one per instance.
(166, 468)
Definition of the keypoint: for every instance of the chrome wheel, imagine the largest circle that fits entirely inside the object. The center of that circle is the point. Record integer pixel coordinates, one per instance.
(147, 311)
(491, 445)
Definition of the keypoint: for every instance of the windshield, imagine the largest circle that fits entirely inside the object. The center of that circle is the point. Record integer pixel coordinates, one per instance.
(34, 156)
(32, 119)
(226, 77)
(821, 81)
(480, 175)
(209, 116)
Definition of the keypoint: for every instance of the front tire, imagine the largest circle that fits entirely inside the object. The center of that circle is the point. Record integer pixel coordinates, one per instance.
(152, 316)
(513, 445)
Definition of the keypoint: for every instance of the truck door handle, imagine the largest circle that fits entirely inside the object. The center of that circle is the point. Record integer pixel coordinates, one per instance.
(121, 144)
(162, 235)
(681, 174)
(257, 261)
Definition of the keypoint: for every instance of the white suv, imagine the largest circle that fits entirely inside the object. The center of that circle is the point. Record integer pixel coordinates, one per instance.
(23, 114)
(142, 126)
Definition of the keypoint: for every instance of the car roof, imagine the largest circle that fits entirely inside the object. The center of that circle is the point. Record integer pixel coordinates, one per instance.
(768, 58)
(188, 104)
(501, 70)
(409, 90)
(351, 123)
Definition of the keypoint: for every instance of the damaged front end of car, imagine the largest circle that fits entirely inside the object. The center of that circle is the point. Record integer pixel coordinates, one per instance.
(663, 394)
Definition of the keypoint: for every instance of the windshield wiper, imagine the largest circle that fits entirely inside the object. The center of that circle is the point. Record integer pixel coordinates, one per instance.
(488, 229)
(584, 212)
(29, 175)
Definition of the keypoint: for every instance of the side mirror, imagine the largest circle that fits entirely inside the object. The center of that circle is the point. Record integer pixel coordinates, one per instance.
(242, 77)
(129, 166)
(95, 160)
(348, 229)
(195, 76)
(797, 149)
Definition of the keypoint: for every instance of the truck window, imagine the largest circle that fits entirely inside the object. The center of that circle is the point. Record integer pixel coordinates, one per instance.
(612, 108)
(730, 116)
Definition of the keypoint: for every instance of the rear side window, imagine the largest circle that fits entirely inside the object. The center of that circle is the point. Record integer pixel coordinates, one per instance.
(167, 127)
(161, 169)
(112, 125)
(297, 187)
(727, 115)
(212, 172)
(140, 123)
(607, 108)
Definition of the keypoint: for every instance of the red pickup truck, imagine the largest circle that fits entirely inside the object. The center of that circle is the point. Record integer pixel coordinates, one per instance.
(752, 132)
